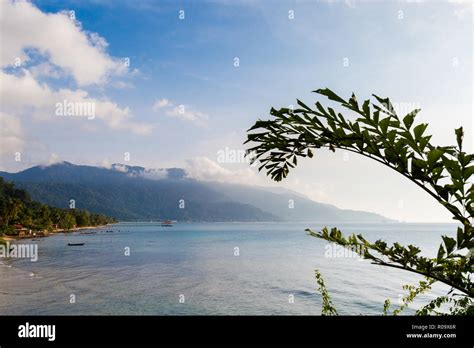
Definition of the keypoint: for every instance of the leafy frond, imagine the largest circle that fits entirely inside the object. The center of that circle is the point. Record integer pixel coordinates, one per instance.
(398, 142)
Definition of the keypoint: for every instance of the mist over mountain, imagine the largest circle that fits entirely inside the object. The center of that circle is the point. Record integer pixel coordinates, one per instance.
(137, 193)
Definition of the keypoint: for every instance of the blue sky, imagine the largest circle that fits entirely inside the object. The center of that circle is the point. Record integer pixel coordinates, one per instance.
(418, 53)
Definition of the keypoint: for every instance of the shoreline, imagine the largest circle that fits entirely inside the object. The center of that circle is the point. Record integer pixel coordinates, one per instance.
(8, 239)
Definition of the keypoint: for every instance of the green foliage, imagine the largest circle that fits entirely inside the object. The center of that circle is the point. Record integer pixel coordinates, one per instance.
(398, 142)
(454, 270)
(328, 307)
(386, 306)
(83, 218)
(4, 229)
(413, 291)
(459, 306)
(17, 207)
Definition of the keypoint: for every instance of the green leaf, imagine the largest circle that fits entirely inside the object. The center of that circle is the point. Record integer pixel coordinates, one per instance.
(459, 137)
(443, 192)
(450, 243)
(452, 208)
(366, 108)
(391, 155)
(366, 121)
(417, 168)
(441, 252)
(423, 142)
(408, 120)
(353, 101)
(468, 172)
(376, 116)
(260, 124)
(386, 104)
(254, 136)
(391, 136)
(321, 109)
(419, 130)
(460, 237)
(384, 124)
(303, 105)
(330, 94)
(434, 155)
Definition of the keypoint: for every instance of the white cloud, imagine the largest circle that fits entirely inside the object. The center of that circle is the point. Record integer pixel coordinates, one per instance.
(349, 3)
(119, 167)
(203, 168)
(25, 95)
(53, 159)
(46, 69)
(452, 2)
(147, 173)
(59, 38)
(313, 190)
(11, 135)
(121, 85)
(106, 163)
(182, 112)
(155, 174)
(161, 103)
(68, 51)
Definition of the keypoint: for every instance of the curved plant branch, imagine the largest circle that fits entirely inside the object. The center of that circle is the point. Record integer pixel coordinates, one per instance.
(444, 172)
(327, 307)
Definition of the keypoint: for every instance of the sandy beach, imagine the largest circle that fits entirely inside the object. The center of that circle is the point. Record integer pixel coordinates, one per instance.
(7, 238)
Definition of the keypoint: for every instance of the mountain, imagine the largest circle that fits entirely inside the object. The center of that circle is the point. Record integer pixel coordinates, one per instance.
(304, 209)
(137, 193)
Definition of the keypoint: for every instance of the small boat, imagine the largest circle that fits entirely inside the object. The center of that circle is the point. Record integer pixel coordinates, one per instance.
(75, 244)
(167, 223)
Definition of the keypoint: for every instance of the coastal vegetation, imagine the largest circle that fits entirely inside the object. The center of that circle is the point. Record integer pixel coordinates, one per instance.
(399, 143)
(19, 212)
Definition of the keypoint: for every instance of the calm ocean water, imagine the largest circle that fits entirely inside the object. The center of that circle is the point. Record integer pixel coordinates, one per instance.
(275, 262)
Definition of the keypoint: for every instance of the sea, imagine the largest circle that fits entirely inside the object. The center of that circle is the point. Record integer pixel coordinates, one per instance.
(210, 269)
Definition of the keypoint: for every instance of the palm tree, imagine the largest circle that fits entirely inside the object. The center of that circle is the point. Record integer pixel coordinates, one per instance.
(13, 209)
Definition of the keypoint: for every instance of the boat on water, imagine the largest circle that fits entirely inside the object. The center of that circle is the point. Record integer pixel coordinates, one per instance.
(167, 223)
(75, 244)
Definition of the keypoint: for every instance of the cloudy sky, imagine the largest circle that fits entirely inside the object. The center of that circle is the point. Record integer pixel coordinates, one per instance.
(176, 83)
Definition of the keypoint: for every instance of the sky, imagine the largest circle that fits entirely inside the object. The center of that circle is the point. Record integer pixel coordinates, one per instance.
(178, 83)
